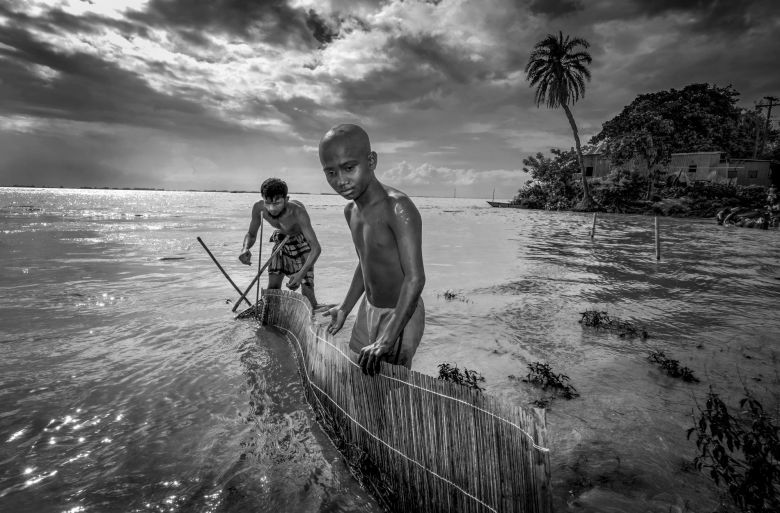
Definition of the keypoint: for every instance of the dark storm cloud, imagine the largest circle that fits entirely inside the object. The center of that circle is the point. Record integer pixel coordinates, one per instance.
(707, 15)
(303, 115)
(82, 87)
(555, 8)
(272, 21)
(57, 21)
(700, 15)
(319, 28)
(419, 70)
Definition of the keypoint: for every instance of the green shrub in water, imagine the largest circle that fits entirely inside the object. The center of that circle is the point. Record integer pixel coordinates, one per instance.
(467, 378)
(741, 453)
(542, 375)
(596, 319)
(672, 367)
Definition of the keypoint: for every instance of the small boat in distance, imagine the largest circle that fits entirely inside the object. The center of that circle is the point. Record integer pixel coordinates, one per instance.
(500, 204)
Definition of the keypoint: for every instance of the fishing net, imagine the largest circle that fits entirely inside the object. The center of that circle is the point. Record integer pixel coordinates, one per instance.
(419, 443)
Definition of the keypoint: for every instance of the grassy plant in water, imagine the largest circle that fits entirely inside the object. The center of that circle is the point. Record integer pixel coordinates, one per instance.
(453, 295)
(596, 319)
(543, 402)
(672, 367)
(741, 453)
(467, 378)
(542, 375)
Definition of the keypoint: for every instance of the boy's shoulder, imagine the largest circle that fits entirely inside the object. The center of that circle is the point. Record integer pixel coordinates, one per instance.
(297, 205)
(398, 198)
(297, 209)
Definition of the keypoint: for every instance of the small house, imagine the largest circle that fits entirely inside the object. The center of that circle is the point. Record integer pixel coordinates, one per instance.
(751, 172)
(716, 167)
(598, 164)
(595, 161)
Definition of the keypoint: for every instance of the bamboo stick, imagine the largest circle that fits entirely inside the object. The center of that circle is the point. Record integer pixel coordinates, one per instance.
(224, 273)
(593, 229)
(258, 315)
(657, 241)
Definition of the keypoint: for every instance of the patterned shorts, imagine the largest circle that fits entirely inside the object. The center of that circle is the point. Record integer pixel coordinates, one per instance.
(291, 258)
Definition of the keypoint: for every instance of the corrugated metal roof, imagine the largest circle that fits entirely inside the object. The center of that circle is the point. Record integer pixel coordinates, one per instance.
(594, 149)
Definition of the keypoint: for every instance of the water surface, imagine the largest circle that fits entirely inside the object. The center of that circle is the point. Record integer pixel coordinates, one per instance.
(126, 384)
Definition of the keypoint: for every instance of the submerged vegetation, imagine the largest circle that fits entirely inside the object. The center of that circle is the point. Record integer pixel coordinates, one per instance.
(467, 378)
(672, 367)
(453, 295)
(597, 319)
(741, 453)
(542, 375)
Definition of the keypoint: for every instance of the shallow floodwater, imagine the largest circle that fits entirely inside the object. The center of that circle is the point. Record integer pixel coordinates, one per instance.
(126, 384)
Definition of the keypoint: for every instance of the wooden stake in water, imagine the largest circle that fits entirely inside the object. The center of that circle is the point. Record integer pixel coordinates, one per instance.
(657, 241)
(593, 229)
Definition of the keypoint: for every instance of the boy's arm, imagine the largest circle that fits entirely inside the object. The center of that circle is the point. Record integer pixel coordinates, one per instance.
(339, 313)
(407, 227)
(251, 235)
(304, 222)
(356, 288)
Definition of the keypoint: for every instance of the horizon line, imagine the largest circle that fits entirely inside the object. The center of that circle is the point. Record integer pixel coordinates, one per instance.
(160, 189)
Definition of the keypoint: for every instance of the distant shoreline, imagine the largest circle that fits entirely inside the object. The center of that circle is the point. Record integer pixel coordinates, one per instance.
(157, 189)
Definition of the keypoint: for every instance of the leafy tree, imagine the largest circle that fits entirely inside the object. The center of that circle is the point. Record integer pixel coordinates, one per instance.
(620, 190)
(553, 184)
(558, 68)
(698, 117)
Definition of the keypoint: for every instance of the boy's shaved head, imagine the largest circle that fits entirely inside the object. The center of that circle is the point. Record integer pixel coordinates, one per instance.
(353, 135)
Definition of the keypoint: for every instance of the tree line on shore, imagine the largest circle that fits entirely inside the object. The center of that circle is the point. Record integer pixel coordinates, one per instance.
(697, 118)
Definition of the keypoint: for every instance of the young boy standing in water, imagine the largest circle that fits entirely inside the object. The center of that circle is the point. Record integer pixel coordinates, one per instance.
(300, 252)
(387, 233)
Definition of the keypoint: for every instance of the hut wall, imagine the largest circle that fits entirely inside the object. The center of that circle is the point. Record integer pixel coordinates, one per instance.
(751, 172)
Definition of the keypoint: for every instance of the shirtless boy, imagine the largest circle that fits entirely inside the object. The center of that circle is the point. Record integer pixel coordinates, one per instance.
(297, 257)
(387, 233)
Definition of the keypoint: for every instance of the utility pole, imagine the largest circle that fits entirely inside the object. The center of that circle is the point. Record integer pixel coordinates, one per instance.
(772, 102)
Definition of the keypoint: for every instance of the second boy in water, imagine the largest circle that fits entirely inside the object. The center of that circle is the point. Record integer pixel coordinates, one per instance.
(387, 233)
(297, 257)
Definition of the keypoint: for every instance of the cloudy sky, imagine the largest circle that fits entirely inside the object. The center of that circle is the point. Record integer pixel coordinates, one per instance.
(205, 94)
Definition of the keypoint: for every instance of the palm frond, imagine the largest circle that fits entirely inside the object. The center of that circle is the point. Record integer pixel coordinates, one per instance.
(557, 68)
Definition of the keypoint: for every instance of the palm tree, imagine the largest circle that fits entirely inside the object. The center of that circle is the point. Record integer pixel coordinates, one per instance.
(558, 68)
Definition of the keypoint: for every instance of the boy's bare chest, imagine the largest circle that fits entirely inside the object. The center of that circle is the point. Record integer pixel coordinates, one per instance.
(372, 235)
(285, 224)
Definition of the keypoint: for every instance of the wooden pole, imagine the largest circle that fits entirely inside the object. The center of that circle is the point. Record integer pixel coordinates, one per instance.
(226, 274)
(243, 296)
(657, 241)
(593, 229)
(259, 260)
